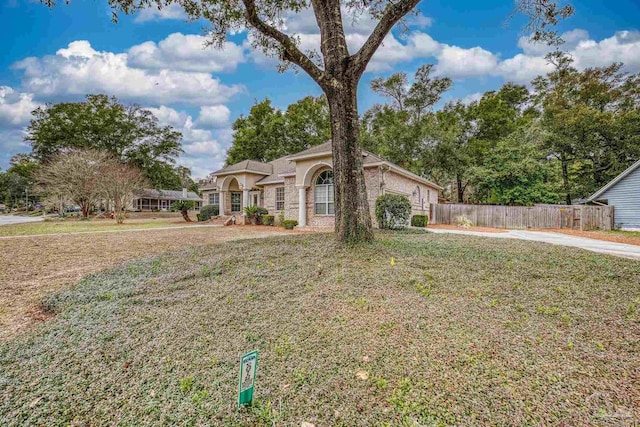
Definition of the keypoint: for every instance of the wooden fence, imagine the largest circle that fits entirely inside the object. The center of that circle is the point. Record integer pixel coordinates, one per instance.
(577, 217)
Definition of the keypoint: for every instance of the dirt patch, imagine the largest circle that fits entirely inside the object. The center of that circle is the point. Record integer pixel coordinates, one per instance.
(608, 236)
(32, 266)
(455, 227)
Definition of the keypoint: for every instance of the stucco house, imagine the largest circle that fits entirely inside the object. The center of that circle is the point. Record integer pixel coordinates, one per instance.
(623, 193)
(301, 186)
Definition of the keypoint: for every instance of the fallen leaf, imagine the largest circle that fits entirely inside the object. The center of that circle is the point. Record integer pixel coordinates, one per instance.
(363, 375)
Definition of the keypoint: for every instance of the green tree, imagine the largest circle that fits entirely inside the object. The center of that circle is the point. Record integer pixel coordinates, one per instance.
(267, 133)
(592, 119)
(516, 172)
(336, 70)
(128, 132)
(397, 131)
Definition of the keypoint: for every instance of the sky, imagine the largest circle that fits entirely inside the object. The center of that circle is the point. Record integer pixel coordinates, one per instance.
(159, 60)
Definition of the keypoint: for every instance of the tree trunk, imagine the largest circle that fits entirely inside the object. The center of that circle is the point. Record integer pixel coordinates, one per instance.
(565, 178)
(352, 218)
(84, 206)
(460, 189)
(185, 215)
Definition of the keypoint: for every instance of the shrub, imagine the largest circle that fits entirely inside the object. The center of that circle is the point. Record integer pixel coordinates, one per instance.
(280, 218)
(289, 223)
(462, 221)
(420, 220)
(393, 211)
(208, 211)
(260, 213)
(268, 219)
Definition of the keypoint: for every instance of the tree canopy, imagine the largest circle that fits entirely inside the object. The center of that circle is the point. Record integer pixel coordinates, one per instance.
(128, 132)
(267, 133)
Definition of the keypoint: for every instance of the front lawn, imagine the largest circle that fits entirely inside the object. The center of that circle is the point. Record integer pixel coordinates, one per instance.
(415, 329)
(79, 226)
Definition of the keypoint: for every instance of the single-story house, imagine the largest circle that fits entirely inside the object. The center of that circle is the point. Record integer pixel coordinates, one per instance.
(301, 186)
(623, 193)
(3, 207)
(160, 200)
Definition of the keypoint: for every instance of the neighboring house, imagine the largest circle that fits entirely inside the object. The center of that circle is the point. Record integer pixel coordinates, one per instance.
(3, 207)
(160, 200)
(623, 193)
(301, 186)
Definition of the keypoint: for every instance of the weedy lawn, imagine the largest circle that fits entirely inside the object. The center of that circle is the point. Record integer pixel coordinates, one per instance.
(415, 328)
(78, 226)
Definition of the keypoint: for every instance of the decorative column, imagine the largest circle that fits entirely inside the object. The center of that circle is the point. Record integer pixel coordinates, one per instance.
(221, 200)
(245, 200)
(302, 206)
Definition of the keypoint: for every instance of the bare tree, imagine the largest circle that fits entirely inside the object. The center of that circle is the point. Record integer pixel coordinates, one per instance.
(118, 183)
(74, 175)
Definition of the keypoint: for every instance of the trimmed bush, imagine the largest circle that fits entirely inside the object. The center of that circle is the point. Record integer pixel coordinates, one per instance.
(393, 211)
(260, 213)
(268, 219)
(289, 223)
(420, 220)
(208, 211)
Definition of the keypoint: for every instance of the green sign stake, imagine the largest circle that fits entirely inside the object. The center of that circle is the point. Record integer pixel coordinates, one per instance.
(247, 380)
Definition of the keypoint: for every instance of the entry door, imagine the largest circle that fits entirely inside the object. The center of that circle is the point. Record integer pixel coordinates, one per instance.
(163, 205)
(254, 200)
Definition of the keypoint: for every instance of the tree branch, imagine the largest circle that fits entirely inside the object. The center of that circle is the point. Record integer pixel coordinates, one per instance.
(395, 13)
(291, 51)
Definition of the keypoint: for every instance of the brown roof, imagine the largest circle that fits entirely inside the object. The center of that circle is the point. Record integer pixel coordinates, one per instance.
(246, 165)
(316, 149)
(278, 166)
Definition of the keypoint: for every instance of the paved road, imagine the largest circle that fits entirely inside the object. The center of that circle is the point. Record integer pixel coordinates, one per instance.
(13, 219)
(601, 246)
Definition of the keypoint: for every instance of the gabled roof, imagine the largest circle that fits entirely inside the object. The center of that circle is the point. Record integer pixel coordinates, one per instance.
(614, 181)
(278, 166)
(315, 151)
(167, 195)
(252, 166)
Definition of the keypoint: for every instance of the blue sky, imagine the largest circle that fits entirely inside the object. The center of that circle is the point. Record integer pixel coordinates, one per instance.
(158, 60)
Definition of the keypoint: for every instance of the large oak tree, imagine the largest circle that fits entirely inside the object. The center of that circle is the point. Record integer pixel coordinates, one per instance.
(335, 69)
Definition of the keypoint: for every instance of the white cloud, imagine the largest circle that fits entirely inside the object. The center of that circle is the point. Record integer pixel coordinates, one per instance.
(204, 146)
(186, 53)
(79, 69)
(15, 107)
(172, 11)
(457, 62)
(472, 97)
(623, 46)
(216, 116)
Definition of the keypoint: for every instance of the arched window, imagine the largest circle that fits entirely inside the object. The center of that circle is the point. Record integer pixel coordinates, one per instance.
(416, 195)
(324, 194)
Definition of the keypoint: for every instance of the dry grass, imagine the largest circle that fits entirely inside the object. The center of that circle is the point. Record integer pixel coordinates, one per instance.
(78, 226)
(415, 329)
(33, 266)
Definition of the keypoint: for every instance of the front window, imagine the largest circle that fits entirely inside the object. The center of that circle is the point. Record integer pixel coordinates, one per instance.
(279, 198)
(236, 202)
(324, 197)
(214, 199)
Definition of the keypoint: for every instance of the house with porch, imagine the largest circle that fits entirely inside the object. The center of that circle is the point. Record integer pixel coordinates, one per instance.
(161, 200)
(301, 186)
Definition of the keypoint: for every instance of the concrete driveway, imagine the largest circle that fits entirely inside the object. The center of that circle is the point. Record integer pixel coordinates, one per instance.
(594, 245)
(14, 219)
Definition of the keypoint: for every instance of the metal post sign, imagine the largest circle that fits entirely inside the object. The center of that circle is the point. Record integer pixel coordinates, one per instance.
(247, 381)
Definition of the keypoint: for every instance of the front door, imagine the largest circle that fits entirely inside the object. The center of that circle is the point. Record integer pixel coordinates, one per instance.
(254, 200)
(163, 205)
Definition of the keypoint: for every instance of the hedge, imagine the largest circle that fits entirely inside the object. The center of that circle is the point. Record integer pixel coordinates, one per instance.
(289, 223)
(206, 212)
(420, 220)
(268, 219)
(393, 211)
